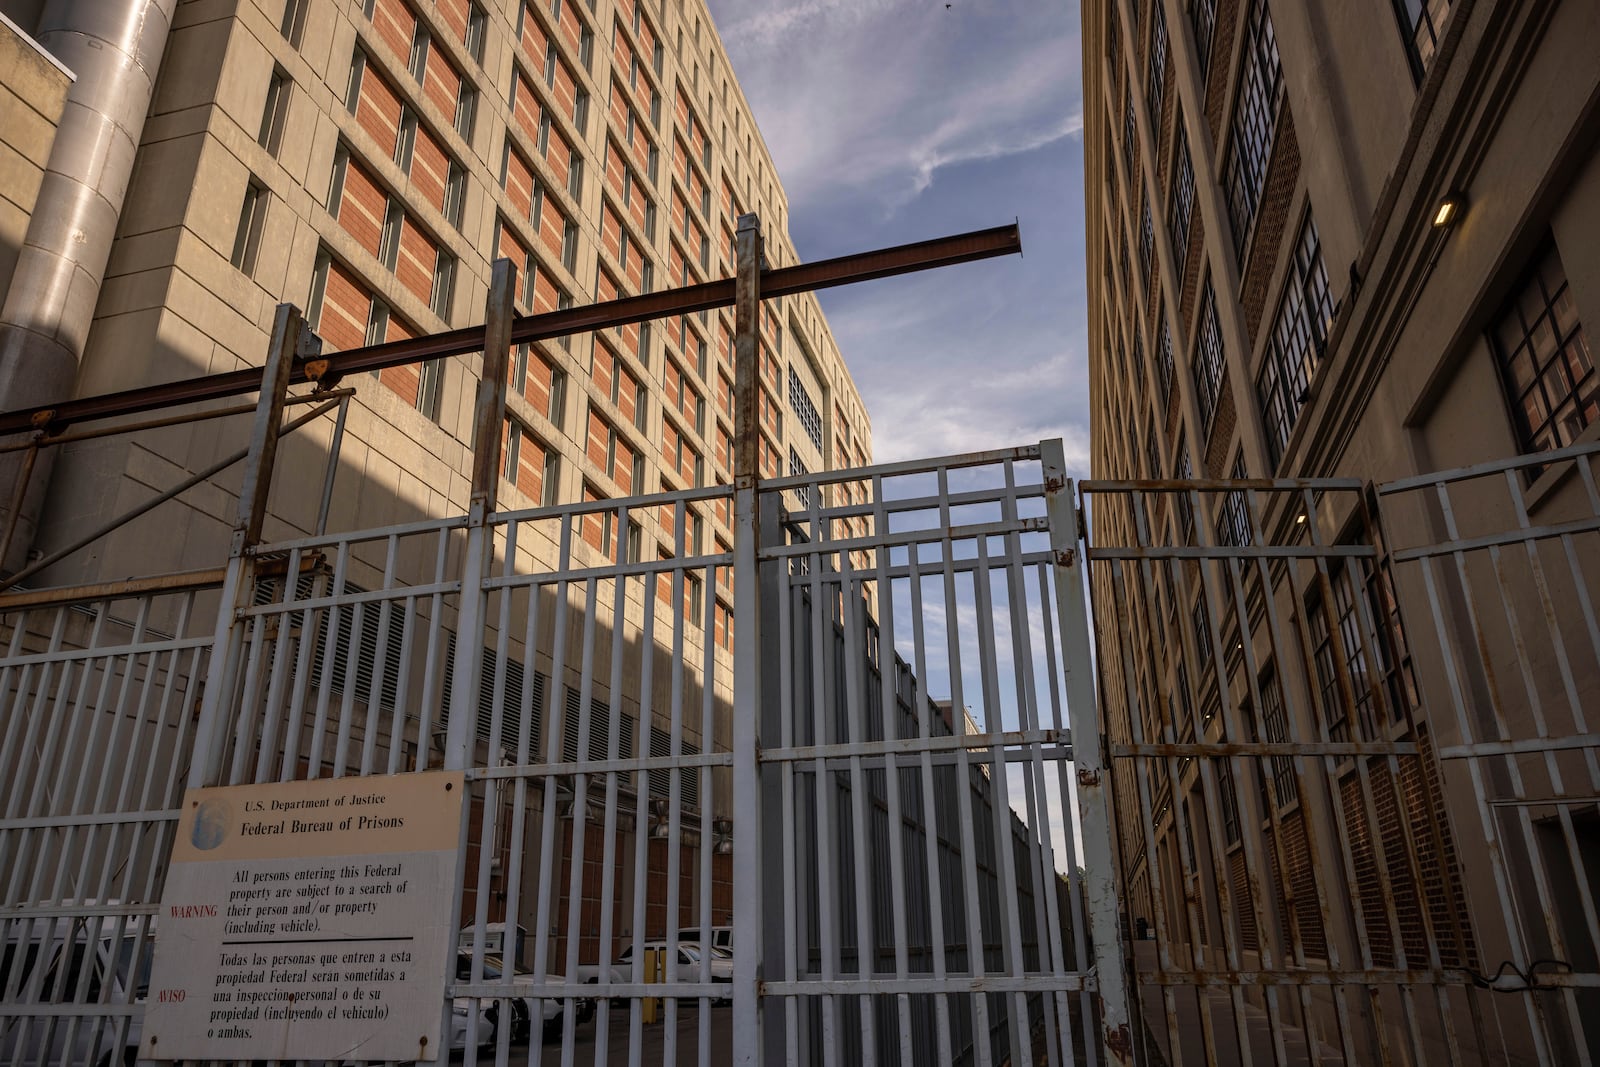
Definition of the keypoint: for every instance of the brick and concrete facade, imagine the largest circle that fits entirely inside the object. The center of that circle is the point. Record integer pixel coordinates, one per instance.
(368, 162)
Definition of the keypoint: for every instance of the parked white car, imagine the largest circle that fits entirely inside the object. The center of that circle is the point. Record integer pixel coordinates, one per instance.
(552, 1008)
(721, 936)
(71, 961)
(688, 963)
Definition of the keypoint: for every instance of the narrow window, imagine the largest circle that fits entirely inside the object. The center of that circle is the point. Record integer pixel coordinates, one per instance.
(377, 323)
(1298, 340)
(1158, 61)
(477, 23)
(429, 386)
(417, 62)
(569, 245)
(444, 279)
(389, 241)
(319, 289)
(580, 111)
(1204, 14)
(558, 397)
(252, 218)
(466, 111)
(1182, 199)
(1254, 125)
(648, 283)
(513, 454)
(552, 475)
(455, 194)
(293, 26)
(276, 112)
(575, 179)
(352, 91)
(1208, 358)
(405, 140)
(1421, 24)
(341, 163)
(586, 48)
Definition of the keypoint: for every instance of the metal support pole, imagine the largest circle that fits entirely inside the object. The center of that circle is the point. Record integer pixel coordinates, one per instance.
(488, 419)
(228, 643)
(488, 423)
(19, 493)
(748, 827)
(1093, 783)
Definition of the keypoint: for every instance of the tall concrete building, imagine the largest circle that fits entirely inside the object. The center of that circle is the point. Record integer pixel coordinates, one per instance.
(368, 162)
(1352, 243)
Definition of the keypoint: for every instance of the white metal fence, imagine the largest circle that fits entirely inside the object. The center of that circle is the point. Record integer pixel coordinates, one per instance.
(916, 867)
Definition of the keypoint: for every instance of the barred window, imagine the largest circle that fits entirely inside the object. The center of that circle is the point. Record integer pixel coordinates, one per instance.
(1275, 725)
(1152, 449)
(1164, 357)
(1233, 522)
(1122, 265)
(1204, 15)
(1255, 119)
(800, 401)
(1374, 661)
(1138, 358)
(1208, 358)
(1129, 131)
(1421, 24)
(1184, 473)
(1297, 342)
(1158, 59)
(1545, 362)
(1182, 210)
(1146, 239)
(802, 493)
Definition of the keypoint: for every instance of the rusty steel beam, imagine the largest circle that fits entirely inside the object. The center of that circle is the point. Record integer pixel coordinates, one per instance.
(328, 369)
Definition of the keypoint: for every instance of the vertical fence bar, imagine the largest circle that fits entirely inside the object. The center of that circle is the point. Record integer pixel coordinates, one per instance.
(747, 649)
(1093, 792)
(211, 730)
(487, 415)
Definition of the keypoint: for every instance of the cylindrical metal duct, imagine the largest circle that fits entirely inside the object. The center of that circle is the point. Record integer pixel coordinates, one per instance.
(114, 47)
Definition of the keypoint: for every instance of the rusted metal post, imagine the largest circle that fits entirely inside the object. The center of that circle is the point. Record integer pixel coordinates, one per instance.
(1093, 782)
(19, 493)
(748, 829)
(488, 418)
(228, 644)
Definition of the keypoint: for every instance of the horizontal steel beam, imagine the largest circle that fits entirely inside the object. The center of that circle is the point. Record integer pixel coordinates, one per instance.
(328, 369)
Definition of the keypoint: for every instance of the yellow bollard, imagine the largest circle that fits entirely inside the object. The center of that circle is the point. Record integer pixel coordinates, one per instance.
(653, 960)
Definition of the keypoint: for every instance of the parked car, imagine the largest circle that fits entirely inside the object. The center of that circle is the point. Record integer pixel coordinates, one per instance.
(688, 962)
(38, 959)
(552, 1009)
(721, 936)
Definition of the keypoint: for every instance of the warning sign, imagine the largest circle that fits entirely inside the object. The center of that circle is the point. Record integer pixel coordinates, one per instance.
(307, 920)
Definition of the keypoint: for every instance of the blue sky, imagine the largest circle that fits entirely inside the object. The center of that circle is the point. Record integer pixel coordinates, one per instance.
(900, 120)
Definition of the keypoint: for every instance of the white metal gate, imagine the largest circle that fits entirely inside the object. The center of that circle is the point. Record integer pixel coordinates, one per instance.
(591, 702)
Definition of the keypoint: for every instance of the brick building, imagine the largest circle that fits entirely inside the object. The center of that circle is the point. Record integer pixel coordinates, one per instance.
(1346, 242)
(368, 161)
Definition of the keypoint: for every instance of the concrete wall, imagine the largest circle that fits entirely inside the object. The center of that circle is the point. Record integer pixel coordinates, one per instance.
(32, 94)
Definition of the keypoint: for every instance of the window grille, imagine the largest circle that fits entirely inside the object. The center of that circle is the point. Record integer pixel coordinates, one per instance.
(1297, 342)
(1254, 125)
(1547, 368)
(800, 400)
(1208, 359)
(1182, 210)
